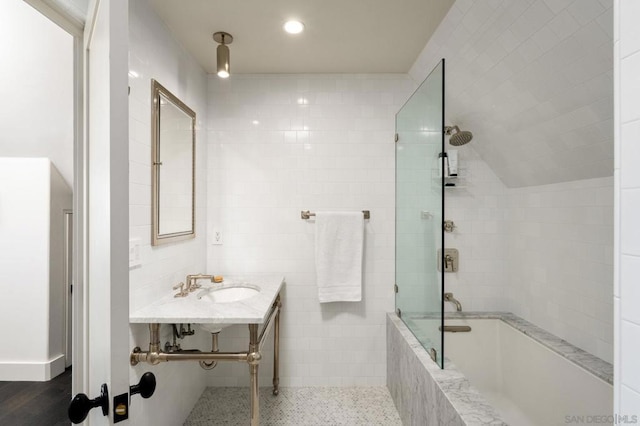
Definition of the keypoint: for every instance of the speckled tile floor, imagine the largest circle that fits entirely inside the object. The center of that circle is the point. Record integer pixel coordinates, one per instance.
(297, 407)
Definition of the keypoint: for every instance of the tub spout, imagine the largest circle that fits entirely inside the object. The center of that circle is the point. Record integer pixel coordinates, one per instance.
(448, 297)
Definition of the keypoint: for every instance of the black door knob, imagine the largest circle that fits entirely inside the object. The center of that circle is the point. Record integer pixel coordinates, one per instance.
(146, 387)
(81, 405)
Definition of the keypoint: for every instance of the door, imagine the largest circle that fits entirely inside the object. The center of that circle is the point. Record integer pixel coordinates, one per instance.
(105, 202)
(419, 212)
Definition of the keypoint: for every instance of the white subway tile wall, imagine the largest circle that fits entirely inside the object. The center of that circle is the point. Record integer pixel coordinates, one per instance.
(279, 144)
(153, 53)
(532, 79)
(627, 205)
(479, 209)
(560, 260)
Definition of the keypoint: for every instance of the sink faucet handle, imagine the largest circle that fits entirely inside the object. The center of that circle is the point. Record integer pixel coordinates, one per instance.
(182, 292)
(194, 285)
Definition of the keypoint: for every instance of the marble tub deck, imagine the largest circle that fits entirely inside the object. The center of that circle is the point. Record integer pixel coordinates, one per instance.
(591, 363)
(424, 394)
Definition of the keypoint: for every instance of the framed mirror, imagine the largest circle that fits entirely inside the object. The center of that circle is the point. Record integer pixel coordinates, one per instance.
(173, 138)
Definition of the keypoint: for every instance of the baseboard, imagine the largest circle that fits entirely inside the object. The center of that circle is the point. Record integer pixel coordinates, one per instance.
(32, 371)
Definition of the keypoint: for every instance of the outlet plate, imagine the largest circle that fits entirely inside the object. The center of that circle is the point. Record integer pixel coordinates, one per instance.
(216, 236)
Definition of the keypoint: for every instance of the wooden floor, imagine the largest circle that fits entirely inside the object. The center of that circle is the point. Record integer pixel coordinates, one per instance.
(36, 403)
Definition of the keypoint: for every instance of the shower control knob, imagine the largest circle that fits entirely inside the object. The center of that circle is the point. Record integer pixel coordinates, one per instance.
(81, 405)
(145, 387)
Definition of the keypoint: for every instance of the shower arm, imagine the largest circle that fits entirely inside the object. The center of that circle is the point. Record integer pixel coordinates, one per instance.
(448, 130)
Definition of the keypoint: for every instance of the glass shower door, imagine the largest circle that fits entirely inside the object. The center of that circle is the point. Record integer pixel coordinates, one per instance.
(419, 212)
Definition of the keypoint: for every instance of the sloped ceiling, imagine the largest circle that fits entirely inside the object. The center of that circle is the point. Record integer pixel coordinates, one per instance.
(533, 81)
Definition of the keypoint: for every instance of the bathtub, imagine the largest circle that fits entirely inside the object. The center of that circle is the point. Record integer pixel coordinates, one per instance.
(504, 371)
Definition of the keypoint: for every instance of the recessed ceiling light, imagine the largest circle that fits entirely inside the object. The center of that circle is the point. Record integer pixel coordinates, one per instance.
(294, 27)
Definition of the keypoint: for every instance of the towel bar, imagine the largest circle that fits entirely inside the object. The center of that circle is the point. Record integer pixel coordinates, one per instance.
(306, 214)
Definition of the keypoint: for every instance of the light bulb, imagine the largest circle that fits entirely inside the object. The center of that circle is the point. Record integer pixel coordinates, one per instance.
(294, 27)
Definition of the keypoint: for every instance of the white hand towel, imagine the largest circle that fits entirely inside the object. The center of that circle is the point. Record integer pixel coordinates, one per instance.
(339, 248)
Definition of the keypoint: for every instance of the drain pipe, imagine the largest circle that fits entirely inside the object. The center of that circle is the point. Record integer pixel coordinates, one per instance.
(210, 365)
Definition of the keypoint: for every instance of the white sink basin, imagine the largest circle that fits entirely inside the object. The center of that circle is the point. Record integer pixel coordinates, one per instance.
(234, 293)
(228, 294)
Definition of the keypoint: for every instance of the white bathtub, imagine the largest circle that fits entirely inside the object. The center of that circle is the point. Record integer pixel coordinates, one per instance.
(527, 383)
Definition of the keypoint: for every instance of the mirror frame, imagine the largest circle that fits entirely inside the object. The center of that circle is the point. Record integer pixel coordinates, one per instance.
(156, 238)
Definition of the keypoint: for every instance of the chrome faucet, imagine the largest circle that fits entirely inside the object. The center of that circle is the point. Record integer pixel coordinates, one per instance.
(192, 283)
(448, 297)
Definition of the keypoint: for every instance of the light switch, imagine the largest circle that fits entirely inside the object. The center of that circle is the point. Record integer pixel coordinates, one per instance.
(134, 253)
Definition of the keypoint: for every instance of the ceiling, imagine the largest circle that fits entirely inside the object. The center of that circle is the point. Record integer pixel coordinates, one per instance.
(341, 36)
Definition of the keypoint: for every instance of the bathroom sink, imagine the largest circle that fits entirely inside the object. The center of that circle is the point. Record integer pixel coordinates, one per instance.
(238, 300)
(228, 294)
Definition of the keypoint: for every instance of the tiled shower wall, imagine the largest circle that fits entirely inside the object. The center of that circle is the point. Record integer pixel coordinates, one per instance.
(543, 252)
(560, 260)
(478, 207)
(153, 53)
(279, 144)
(520, 247)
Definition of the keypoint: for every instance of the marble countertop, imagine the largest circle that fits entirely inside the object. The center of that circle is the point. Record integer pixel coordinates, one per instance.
(190, 309)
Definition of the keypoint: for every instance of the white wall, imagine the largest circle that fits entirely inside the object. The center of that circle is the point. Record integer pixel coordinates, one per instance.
(627, 208)
(33, 197)
(36, 113)
(154, 53)
(332, 151)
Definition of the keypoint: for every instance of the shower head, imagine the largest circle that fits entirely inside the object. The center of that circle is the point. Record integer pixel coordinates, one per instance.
(458, 137)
